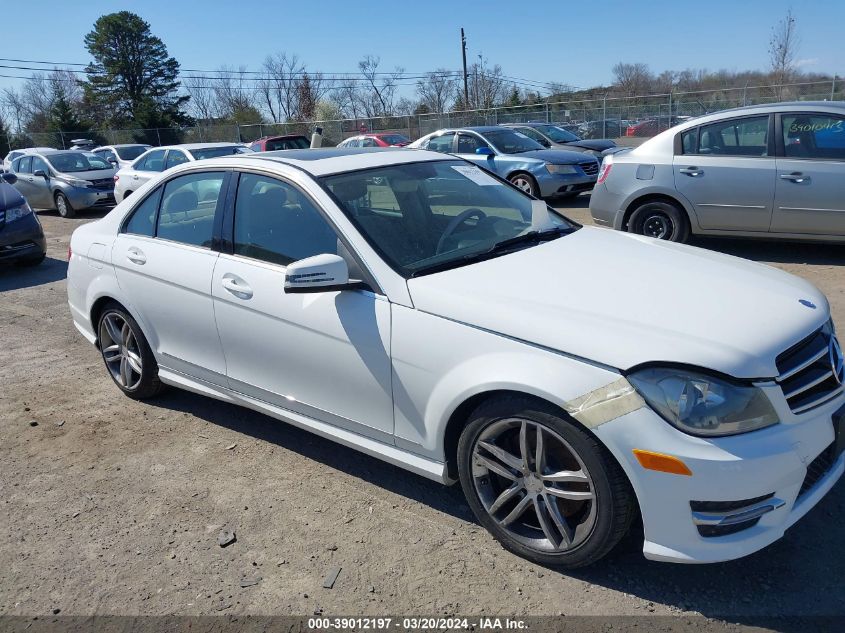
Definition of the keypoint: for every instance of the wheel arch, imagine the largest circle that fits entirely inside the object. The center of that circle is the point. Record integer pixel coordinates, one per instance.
(656, 196)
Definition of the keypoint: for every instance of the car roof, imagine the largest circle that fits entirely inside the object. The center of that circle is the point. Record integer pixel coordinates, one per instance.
(335, 160)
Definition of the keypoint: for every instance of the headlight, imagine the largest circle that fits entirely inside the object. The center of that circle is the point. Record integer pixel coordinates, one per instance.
(561, 169)
(76, 182)
(701, 404)
(16, 213)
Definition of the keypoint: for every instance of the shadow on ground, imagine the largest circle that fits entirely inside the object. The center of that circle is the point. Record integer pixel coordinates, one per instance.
(14, 277)
(799, 575)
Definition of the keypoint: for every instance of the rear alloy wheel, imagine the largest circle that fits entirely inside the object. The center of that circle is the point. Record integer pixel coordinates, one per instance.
(526, 183)
(544, 487)
(661, 220)
(63, 206)
(127, 354)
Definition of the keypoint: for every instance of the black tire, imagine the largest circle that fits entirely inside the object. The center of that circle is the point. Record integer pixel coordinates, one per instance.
(127, 194)
(660, 219)
(63, 206)
(525, 182)
(148, 383)
(610, 510)
(32, 261)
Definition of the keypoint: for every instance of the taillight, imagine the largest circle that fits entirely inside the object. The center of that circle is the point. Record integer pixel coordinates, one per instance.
(116, 177)
(69, 252)
(604, 172)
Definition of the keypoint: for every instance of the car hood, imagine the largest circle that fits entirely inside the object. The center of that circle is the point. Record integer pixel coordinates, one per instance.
(94, 174)
(554, 156)
(622, 300)
(598, 145)
(9, 196)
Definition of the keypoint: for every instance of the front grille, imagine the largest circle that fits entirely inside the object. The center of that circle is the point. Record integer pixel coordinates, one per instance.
(817, 469)
(810, 374)
(591, 168)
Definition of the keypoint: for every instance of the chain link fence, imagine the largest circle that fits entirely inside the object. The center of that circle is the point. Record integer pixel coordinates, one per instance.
(628, 120)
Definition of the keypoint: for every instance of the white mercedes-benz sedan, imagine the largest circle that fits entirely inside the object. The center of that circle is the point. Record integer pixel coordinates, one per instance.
(414, 307)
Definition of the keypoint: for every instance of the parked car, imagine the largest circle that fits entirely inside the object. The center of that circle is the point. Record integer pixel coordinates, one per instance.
(65, 180)
(11, 156)
(775, 171)
(21, 236)
(287, 141)
(554, 137)
(525, 163)
(607, 128)
(157, 159)
(82, 144)
(653, 126)
(441, 332)
(121, 155)
(380, 139)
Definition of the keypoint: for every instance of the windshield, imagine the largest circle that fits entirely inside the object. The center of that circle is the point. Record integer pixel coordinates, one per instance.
(510, 142)
(71, 162)
(131, 152)
(395, 139)
(558, 135)
(296, 142)
(422, 216)
(214, 152)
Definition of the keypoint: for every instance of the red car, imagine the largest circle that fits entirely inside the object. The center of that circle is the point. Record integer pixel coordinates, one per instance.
(380, 139)
(288, 141)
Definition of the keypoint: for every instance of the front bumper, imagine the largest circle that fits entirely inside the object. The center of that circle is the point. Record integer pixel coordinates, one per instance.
(22, 239)
(88, 197)
(777, 466)
(552, 185)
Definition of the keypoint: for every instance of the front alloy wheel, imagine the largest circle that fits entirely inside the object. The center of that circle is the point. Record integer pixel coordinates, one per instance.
(127, 354)
(545, 487)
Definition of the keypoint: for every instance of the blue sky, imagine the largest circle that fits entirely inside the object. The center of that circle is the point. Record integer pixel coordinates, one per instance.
(568, 42)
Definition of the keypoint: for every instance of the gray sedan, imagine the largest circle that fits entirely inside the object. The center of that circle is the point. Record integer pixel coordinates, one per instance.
(541, 172)
(555, 137)
(761, 171)
(65, 180)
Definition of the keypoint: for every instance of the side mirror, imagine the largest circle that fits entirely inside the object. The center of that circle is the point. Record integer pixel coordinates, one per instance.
(485, 151)
(320, 273)
(40, 173)
(112, 160)
(9, 177)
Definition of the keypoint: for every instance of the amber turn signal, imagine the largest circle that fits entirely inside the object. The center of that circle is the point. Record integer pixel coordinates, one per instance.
(661, 462)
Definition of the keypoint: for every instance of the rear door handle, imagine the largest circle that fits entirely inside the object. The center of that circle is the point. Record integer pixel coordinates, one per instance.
(795, 176)
(691, 171)
(236, 285)
(136, 256)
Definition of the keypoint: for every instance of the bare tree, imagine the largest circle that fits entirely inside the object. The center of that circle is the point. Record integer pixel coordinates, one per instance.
(487, 86)
(783, 50)
(437, 90)
(632, 79)
(378, 98)
(279, 85)
(232, 90)
(203, 103)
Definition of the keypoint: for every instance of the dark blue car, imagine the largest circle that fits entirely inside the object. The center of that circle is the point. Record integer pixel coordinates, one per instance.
(21, 236)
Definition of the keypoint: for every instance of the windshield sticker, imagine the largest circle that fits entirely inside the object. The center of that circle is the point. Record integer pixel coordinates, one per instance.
(476, 175)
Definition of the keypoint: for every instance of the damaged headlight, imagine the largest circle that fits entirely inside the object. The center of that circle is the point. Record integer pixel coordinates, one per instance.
(701, 404)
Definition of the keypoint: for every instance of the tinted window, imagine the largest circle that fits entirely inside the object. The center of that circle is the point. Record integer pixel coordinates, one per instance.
(154, 161)
(24, 165)
(467, 143)
(510, 142)
(39, 163)
(175, 157)
(814, 136)
(296, 142)
(274, 222)
(188, 206)
(737, 137)
(395, 139)
(558, 135)
(132, 152)
(143, 219)
(442, 143)
(214, 152)
(368, 142)
(72, 162)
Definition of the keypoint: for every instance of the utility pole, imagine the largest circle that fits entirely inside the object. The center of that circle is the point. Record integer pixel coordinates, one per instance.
(464, 54)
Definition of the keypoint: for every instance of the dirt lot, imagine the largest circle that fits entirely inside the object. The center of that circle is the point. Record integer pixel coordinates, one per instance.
(114, 506)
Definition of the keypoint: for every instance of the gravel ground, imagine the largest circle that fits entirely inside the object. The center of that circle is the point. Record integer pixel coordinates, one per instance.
(111, 506)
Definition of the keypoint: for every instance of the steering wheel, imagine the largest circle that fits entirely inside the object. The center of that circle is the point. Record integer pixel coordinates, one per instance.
(459, 219)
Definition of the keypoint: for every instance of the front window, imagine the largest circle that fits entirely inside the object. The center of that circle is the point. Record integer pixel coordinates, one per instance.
(511, 142)
(72, 162)
(175, 157)
(216, 152)
(132, 152)
(395, 139)
(468, 143)
(442, 143)
(153, 161)
(424, 217)
(558, 135)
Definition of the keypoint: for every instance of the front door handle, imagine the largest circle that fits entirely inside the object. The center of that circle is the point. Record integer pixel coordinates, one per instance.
(795, 176)
(136, 256)
(691, 171)
(236, 286)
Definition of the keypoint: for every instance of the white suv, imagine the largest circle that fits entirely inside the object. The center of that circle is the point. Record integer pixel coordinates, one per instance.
(416, 308)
